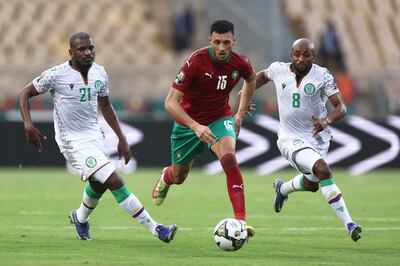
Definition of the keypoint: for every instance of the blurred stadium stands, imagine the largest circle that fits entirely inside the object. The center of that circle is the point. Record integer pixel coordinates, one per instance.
(133, 42)
(370, 35)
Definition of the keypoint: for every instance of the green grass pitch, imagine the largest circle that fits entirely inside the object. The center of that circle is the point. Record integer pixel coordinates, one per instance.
(34, 229)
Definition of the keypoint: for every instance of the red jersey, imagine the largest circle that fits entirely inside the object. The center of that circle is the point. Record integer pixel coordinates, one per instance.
(207, 83)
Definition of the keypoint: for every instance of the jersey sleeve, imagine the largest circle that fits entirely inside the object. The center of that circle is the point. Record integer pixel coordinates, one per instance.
(329, 85)
(104, 91)
(185, 76)
(247, 68)
(45, 81)
(271, 70)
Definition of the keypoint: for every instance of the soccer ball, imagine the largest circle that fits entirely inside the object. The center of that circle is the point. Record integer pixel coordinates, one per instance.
(230, 234)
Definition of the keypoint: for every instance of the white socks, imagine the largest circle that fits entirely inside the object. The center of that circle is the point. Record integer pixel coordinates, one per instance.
(295, 184)
(333, 196)
(133, 206)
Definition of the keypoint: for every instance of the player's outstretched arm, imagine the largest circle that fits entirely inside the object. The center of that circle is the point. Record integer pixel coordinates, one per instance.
(109, 115)
(261, 79)
(244, 104)
(33, 135)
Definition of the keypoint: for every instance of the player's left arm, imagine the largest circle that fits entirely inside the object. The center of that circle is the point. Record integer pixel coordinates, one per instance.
(112, 120)
(338, 112)
(247, 91)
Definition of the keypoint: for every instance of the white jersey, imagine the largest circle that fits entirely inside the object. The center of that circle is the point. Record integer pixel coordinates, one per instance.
(75, 103)
(297, 105)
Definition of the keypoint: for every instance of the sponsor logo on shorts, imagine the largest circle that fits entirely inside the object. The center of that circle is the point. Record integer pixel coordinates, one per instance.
(298, 142)
(91, 162)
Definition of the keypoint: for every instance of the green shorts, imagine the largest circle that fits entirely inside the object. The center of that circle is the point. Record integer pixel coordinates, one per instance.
(185, 145)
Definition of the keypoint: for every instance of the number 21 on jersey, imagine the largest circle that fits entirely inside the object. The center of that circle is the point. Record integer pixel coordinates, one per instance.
(85, 94)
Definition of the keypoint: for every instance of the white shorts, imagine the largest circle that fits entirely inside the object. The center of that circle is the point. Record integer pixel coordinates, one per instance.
(90, 158)
(292, 148)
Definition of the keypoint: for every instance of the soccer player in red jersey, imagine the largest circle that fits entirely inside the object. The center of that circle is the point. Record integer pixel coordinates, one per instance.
(198, 100)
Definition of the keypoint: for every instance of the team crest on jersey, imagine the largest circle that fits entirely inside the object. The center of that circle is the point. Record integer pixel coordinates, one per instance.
(91, 162)
(309, 88)
(235, 74)
(98, 85)
(180, 78)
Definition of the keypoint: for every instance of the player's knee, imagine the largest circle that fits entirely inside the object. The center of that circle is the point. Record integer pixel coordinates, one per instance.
(322, 170)
(228, 160)
(114, 182)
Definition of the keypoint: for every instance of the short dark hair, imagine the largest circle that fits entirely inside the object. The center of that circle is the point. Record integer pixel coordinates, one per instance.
(222, 26)
(78, 36)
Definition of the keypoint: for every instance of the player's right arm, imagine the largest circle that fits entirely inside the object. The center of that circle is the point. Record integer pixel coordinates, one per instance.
(174, 108)
(261, 79)
(33, 135)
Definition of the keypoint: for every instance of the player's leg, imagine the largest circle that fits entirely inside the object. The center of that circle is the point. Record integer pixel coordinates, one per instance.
(175, 174)
(91, 197)
(131, 204)
(305, 156)
(93, 191)
(80, 217)
(224, 149)
(333, 196)
(293, 149)
(185, 146)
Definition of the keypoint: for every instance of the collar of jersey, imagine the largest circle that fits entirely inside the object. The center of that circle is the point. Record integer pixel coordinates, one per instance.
(215, 60)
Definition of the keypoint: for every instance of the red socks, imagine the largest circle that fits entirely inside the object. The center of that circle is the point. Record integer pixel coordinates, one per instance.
(234, 184)
(168, 178)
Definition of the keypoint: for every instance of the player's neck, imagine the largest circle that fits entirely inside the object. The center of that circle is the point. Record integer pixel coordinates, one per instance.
(300, 74)
(81, 69)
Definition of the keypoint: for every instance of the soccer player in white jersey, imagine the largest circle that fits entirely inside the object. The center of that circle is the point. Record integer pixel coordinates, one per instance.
(78, 87)
(303, 89)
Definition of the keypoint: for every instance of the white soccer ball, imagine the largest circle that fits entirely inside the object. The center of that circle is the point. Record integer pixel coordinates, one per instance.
(230, 234)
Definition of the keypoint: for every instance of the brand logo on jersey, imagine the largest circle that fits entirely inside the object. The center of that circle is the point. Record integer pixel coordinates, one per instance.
(98, 85)
(91, 162)
(209, 75)
(71, 85)
(180, 78)
(235, 74)
(309, 88)
(283, 86)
